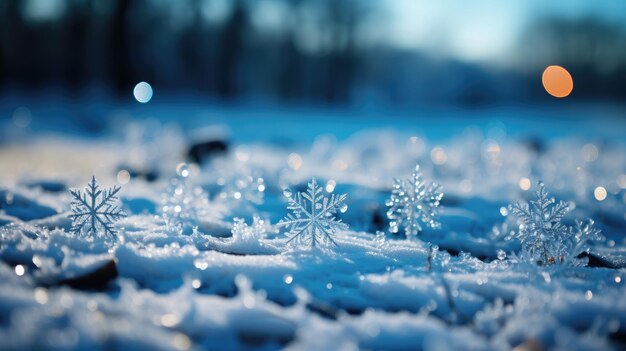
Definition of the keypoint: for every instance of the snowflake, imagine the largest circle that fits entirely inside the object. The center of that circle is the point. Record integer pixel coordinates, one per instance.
(545, 240)
(94, 211)
(412, 202)
(312, 220)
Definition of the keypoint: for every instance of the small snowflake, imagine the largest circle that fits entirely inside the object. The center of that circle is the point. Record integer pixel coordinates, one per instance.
(312, 219)
(545, 240)
(94, 211)
(412, 202)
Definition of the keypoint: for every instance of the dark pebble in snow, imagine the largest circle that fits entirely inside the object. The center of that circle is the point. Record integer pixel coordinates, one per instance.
(378, 221)
(535, 144)
(284, 334)
(450, 200)
(604, 261)
(620, 338)
(22, 207)
(203, 150)
(96, 280)
(324, 310)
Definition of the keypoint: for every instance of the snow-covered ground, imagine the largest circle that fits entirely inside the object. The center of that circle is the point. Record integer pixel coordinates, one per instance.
(186, 280)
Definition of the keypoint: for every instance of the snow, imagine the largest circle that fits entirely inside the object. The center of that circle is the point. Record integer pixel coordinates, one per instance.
(225, 276)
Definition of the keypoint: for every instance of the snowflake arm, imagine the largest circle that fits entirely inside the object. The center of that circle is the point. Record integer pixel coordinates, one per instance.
(94, 211)
(312, 220)
(413, 203)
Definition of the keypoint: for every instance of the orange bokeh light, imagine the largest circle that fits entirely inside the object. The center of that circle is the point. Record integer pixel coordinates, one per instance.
(557, 81)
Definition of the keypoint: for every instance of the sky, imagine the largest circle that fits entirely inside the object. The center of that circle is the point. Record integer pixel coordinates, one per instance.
(479, 30)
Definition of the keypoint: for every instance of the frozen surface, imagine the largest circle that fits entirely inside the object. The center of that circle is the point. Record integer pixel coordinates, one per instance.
(190, 280)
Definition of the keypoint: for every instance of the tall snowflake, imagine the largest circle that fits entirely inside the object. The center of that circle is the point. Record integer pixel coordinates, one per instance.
(412, 202)
(545, 240)
(94, 211)
(312, 219)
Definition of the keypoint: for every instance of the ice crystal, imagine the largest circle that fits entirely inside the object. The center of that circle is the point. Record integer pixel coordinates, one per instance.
(184, 203)
(312, 218)
(243, 232)
(578, 242)
(545, 240)
(94, 211)
(412, 202)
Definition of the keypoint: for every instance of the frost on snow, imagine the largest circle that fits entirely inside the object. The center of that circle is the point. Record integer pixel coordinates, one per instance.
(312, 220)
(174, 291)
(94, 211)
(412, 202)
(545, 240)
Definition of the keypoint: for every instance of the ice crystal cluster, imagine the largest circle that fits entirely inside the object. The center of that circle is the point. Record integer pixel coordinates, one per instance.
(413, 203)
(183, 203)
(312, 219)
(242, 232)
(545, 239)
(94, 211)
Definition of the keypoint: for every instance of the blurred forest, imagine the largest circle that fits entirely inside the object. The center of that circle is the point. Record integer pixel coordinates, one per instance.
(294, 51)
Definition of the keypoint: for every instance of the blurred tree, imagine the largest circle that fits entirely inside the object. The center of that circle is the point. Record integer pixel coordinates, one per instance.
(230, 50)
(77, 30)
(307, 51)
(118, 62)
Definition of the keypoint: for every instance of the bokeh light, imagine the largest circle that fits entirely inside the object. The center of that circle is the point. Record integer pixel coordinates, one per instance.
(589, 152)
(123, 176)
(557, 81)
(182, 169)
(524, 184)
(600, 193)
(143, 92)
(438, 155)
(294, 161)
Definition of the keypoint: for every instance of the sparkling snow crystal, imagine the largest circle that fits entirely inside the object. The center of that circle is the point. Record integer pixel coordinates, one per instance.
(94, 211)
(578, 241)
(545, 240)
(312, 220)
(184, 203)
(412, 202)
